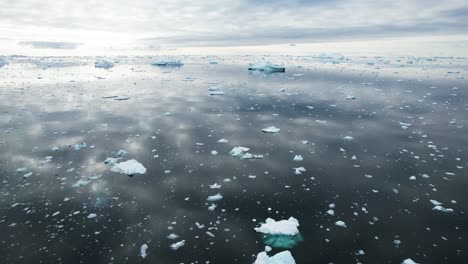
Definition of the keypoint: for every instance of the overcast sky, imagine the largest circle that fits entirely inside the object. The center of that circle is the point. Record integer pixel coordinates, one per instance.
(70, 24)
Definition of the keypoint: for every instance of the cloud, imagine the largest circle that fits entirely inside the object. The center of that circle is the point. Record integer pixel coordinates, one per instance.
(226, 22)
(49, 44)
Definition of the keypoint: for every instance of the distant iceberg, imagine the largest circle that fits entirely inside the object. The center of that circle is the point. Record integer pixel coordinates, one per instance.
(3, 62)
(103, 64)
(267, 67)
(173, 63)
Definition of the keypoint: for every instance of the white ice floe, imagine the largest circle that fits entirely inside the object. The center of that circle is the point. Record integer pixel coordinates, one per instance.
(111, 161)
(90, 216)
(299, 170)
(298, 158)
(215, 186)
(177, 245)
(79, 146)
(284, 257)
(238, 151)
(223, 140)
(267, 67)
(214, 198)
(27, 175)
(80, 183)
(19, 170)
(143, 249)
(408, 261)
(103, 64)
(340, 224)
(173, 236)
(251, 156)
(281, 227)
(271, 129)
(348, 138)
(435, 203)
(168, 63)
(129, 167)
(442, 209)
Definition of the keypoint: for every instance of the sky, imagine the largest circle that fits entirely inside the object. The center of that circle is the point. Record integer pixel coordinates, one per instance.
(70, 26)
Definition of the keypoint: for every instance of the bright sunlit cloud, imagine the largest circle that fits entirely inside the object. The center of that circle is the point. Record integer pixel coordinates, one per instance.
(31, 25)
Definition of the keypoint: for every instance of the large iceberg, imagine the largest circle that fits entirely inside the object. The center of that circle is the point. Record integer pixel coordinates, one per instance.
(3, 62)
(103, 64)
(174, 63)
(284, 257)
(266, 67)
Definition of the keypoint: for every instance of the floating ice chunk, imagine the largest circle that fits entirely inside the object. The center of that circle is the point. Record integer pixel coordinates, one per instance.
(129, 167)
(3, 62)
(122, 153)
(110, 161)
(214, 198)
(412, 178)
(213, 88)
(271, 129)
(19, 170)
(214, 152)
(268, 249)
(46, 160)
(79, 146)
(284, 257)
(55, 148)
(340, 224)
(177, 245)
(238, 151)
(217, 93)
(408, 261)
(143, 249)
(80, 183)
(212, 207)
(27, 175)
(223, 140)
(173, 63)
(103, 64)
(298, 158)
(442, 209)
(90, 216)
(299, 170)
(283, 227)
(331, 212)
(267, 67)
(215, 186)
(348, 138)
(251, 156)
(304, 142)
(173, 236)
(435, 203)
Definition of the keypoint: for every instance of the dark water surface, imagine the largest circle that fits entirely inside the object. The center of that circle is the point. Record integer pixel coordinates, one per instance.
(401, 127)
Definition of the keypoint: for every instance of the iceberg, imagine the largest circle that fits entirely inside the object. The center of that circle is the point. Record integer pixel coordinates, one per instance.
(143, 249)
(129, 167)
(284, 257)
(169, 63)
(281, 227)
(3, 62)
(271, 129)
(266, 67)
(103, 64)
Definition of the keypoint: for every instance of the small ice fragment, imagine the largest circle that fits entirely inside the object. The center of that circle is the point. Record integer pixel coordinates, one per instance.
(304, 142)
(214, 198)
(56, 213)
(209, 234)
(177, 245)
(238, 151)
(271, 129)
(281, 227)
(92, 216)
(55, 148)
(348, 138)
(299, 170)
(214, 152)
(216, 93)
(223, 140)
(331, 212)
(268, 248)
(143, 249)
(27, 175)
(80, 183)
(129, 167)
(298, 158)
(435, 203)
(267, 67)
(212, 207)
(284, 257)
(340, 224)
(213, 88)
(412, 178)
(103, 64)
(251, 156)
(19, 170)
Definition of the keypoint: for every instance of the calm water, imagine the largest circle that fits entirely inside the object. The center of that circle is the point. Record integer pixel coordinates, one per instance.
(401, 125)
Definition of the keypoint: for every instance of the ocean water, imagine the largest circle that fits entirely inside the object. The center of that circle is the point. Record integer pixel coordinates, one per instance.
(380, 138)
